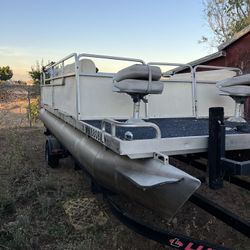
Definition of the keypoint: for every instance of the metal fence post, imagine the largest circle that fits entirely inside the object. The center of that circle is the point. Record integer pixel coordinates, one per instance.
(29, 107)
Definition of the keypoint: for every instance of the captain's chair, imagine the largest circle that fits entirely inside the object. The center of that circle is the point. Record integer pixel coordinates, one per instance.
(238, 88)
(138, 81)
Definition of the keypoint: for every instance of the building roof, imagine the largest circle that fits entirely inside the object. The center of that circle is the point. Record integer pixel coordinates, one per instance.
(215, 55)
(235, 38)
(199, 61)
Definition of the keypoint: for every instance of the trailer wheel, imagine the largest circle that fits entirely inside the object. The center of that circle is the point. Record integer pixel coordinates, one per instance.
(52, 160)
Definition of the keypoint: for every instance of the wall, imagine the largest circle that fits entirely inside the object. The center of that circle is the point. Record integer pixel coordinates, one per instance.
(237, 55)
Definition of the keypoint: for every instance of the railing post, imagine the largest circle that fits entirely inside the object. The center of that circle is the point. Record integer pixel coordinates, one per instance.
(216, 147)
(113, 129)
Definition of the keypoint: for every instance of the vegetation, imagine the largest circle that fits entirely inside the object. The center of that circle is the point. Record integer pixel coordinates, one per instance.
(35, 72)
(33, 110)
(5, 73)
(225, 18)
(47, 209)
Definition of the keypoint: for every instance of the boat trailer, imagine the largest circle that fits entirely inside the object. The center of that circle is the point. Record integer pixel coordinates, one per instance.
(225, 170)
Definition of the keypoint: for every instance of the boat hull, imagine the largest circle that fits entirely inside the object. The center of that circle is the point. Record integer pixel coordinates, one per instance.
(160, 187)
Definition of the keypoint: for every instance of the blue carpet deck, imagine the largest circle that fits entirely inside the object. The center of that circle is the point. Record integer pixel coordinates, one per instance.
(170, 127)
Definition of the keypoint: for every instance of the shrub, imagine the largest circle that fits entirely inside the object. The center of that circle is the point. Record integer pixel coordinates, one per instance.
(5, 73)
(33, 111)
(36, 72)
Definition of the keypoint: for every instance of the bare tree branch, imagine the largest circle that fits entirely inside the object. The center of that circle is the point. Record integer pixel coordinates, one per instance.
(226, 17)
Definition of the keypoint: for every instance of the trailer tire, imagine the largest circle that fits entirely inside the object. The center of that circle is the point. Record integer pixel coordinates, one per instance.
(52, 160)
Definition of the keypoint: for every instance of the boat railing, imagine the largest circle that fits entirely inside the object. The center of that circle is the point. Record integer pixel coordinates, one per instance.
(50, 71)
(118, 58)
(194, 81)
(98, 57)
(114, 124)
(52, 74)
(184, 66)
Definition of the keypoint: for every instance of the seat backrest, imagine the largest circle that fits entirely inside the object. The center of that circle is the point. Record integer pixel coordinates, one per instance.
(138, 79)
(234, 81)
(138, 72)
(87, 66)
(235, 86)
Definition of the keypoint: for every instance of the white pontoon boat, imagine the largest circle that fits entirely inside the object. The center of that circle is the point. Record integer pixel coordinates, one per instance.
(123, 126)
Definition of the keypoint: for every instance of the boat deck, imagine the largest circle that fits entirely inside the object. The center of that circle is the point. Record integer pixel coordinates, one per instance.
(172, 127)
(178, 136)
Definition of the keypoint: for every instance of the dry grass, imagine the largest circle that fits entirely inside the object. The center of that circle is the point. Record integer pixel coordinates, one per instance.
(43, 208)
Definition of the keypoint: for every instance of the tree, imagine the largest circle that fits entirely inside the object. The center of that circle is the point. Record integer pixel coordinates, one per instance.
(225, 18)
(5, 73)
(36, 72)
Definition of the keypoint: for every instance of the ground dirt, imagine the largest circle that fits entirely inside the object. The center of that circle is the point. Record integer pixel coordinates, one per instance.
(44, 208)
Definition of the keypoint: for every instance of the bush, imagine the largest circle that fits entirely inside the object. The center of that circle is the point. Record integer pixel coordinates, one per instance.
(35, 72)
(5, 73)
(33, 111)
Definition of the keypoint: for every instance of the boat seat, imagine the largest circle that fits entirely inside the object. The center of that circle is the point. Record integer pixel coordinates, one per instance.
(238, 88)
(143, 87)
(138, 81)
(139, 72)
(87, 66)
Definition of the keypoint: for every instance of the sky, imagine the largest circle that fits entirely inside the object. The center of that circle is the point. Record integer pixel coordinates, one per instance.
(48, 30)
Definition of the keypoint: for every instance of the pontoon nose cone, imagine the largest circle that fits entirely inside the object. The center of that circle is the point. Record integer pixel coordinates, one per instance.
(163, 188)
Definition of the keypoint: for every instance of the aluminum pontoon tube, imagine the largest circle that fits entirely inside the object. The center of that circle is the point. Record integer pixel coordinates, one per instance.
(160, 187)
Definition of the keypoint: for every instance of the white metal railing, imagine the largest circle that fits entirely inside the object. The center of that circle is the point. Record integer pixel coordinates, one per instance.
(77, 74)
(51, 69)
(114, 124)
(185, 66)
(111, 58)
(98, 57)
(52, 78)
(194, 80)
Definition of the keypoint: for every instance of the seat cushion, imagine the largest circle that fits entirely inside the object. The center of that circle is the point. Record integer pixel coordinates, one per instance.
(235, 86)
(138, 86)
(138, 71)
(238, 90)
(237, 80)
